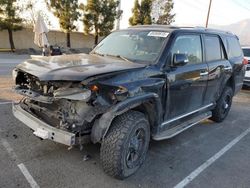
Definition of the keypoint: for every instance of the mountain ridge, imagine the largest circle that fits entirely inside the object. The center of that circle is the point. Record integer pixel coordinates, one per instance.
(241, 29)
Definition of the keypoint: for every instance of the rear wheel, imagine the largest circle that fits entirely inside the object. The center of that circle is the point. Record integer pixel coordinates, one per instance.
(125, 146)
(223, 105)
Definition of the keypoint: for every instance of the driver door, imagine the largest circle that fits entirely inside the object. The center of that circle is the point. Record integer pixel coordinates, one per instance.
(187, 83)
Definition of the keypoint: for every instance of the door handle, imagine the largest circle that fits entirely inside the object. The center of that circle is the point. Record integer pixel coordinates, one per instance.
(203, 73)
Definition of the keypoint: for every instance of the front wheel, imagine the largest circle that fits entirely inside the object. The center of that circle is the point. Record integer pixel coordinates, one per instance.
(124, 148)
(223, 105)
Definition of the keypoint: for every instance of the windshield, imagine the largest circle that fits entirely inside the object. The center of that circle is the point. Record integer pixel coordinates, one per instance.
(246, 52)
(139, 46)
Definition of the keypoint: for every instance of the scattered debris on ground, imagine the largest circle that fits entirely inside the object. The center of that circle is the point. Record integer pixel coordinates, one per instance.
(86, 157)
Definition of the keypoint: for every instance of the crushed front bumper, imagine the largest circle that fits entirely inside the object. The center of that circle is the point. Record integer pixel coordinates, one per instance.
(42, 129)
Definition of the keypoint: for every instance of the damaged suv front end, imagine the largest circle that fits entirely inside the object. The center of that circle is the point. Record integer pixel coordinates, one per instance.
(75, 99)
(61, 110)
(66, 96)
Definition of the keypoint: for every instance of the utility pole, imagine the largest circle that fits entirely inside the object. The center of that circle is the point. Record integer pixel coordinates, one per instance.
(118, 19)
(208, 12)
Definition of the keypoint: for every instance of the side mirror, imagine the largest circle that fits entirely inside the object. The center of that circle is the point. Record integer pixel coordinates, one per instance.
(180, 59)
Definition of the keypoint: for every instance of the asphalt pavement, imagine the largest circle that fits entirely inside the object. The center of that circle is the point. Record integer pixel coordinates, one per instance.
(8, 61)
(206, 155)
(167, 164)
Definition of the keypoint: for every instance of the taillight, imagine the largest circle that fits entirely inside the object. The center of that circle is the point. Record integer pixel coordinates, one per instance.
(245, 61)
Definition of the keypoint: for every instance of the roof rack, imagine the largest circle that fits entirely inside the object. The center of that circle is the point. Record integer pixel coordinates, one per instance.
(156, 25)
(212, 30)
(182, 27)
(161, 25)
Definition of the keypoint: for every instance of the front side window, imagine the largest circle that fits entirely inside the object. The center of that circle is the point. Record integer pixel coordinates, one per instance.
(189, 45)
(134, 45)
(213, 48)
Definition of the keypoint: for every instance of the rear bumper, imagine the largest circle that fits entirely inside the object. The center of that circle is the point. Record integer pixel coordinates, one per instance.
(42, 129)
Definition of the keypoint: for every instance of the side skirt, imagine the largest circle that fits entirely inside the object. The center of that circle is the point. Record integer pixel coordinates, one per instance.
(182, 127)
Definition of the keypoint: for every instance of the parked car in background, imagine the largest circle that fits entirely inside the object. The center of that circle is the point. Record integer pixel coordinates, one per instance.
(138, 84)
(246, 51)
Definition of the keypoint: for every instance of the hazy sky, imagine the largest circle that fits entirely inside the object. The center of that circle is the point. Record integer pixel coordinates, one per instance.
(194, 12)
(189, 12)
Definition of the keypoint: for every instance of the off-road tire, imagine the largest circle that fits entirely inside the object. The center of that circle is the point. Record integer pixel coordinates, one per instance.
(117, 144)
(219, 113)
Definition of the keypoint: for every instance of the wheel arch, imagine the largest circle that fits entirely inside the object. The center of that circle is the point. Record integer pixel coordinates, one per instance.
(149, 104)
(231, 83)
(227, 82)
(148, 108)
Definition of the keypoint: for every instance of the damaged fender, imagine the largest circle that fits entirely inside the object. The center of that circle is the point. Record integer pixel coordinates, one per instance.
(102, 125)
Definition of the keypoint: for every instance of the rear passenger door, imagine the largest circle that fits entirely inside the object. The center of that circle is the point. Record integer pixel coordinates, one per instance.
(219, 68)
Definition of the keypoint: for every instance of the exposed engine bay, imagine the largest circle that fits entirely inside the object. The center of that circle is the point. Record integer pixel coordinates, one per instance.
(69, 106)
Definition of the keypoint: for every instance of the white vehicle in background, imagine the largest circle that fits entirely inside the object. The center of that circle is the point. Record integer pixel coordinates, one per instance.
(246, 51)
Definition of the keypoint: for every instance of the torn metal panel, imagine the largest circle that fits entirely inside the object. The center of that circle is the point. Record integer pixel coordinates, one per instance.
(33, 95)
(102, 125)
(52, 133)
(78, 94)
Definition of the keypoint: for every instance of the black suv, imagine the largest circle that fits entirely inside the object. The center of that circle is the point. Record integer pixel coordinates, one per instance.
(142, 83)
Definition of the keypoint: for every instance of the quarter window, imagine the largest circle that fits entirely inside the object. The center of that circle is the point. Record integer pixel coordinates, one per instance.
(213, 48)
(189, 45)
(234, 47)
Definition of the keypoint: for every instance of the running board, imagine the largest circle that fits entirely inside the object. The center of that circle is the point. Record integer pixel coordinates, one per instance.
(182, 127)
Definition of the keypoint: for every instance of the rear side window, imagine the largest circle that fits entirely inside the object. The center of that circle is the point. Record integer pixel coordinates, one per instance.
(189, 45)
(213, 48)
(234, 47)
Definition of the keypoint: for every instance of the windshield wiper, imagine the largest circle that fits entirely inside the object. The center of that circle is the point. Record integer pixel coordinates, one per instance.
(110, 55)
(118, 56)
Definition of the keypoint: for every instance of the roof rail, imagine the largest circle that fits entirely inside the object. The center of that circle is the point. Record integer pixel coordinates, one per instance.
(145, 26)
(211, 29)
(182, 27)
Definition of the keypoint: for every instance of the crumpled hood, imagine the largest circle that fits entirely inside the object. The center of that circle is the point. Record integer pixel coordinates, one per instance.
(76, 67)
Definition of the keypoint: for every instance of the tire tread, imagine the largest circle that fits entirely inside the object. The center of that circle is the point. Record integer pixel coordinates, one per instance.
(112, 145)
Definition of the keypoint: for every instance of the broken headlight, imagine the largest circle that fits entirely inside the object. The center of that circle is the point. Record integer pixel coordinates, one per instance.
(78, 94)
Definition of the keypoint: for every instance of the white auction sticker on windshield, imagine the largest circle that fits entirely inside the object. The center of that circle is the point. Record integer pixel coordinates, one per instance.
(158, 34)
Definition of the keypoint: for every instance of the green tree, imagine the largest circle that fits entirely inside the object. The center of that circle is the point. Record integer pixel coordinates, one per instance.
(166, 18)
(67, 13)
(99, 16)
(135, 19)
(141, 13)
(9, 19)
(146, 8)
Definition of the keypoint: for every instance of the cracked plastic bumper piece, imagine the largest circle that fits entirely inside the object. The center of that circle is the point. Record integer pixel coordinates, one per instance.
(42, 129)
